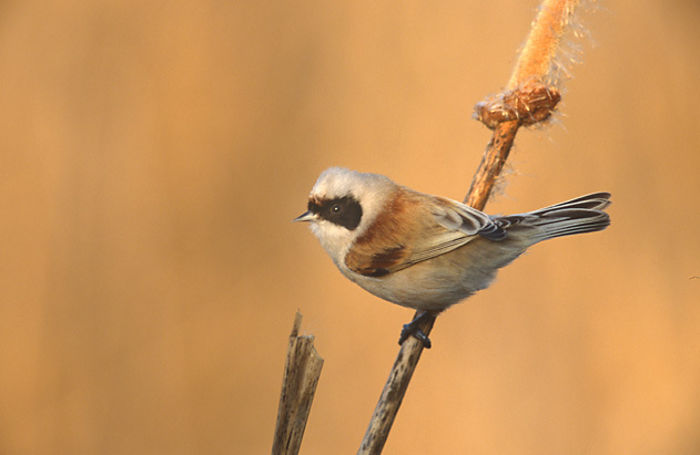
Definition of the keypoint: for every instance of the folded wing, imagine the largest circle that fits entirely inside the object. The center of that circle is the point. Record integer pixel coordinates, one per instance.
(416, 228)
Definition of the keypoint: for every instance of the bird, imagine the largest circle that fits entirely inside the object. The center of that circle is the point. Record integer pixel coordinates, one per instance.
(428, 252)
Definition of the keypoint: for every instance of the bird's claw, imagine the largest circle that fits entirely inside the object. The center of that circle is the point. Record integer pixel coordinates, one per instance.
(412, 329)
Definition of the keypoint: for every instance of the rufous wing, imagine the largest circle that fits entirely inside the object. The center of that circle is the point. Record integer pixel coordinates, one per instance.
(414, 227)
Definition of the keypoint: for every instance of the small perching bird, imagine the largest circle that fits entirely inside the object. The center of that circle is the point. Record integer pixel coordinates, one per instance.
(428, 252)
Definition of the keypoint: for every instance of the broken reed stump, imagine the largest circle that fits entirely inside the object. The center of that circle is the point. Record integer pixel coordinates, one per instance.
(530, 97)
(301, 373)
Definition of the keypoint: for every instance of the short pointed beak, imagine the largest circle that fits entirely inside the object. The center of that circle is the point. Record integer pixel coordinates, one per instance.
(306, 216)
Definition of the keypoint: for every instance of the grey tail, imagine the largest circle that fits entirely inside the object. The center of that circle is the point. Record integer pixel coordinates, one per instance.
(577, 216)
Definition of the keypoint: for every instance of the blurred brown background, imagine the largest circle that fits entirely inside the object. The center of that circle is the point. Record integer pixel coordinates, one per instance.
(152, 155)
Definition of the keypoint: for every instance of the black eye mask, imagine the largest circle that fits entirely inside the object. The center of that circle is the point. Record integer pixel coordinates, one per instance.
(344, 211)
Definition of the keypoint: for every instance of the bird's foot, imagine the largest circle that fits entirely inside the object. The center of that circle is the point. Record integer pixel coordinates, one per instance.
(412, 329)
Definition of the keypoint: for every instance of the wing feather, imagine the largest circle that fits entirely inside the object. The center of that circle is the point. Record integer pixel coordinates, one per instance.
(413, 228)
(454, 215)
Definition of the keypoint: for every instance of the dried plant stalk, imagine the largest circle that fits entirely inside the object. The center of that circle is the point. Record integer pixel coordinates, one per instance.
(301, 373)
(393, 393)
(491, 164)
(537, 57)
(530, 97)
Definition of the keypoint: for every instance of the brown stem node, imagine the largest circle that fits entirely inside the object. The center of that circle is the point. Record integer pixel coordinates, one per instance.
(528, 104)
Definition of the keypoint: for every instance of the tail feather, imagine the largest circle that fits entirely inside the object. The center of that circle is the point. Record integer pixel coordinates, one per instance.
(571, 222)
(594, 201)
(576, 216)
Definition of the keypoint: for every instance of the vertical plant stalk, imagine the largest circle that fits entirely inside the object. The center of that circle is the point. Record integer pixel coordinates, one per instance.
(301, 373)
(492, 163)
(530, 97)
(537, 58)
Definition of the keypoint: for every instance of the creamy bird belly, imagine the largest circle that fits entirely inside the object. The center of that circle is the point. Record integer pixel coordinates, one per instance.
(438, 283)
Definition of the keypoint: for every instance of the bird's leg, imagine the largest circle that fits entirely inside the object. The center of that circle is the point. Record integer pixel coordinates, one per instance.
(412, 329)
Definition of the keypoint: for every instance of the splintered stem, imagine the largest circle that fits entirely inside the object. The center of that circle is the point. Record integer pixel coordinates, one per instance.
(301, 373)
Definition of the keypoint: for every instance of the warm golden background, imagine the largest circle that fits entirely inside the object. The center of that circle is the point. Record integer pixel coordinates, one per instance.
(152, 155)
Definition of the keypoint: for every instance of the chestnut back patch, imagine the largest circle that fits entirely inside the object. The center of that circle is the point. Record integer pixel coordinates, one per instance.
(381, 262)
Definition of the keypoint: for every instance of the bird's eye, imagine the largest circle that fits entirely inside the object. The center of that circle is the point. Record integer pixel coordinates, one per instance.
(341, 211)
